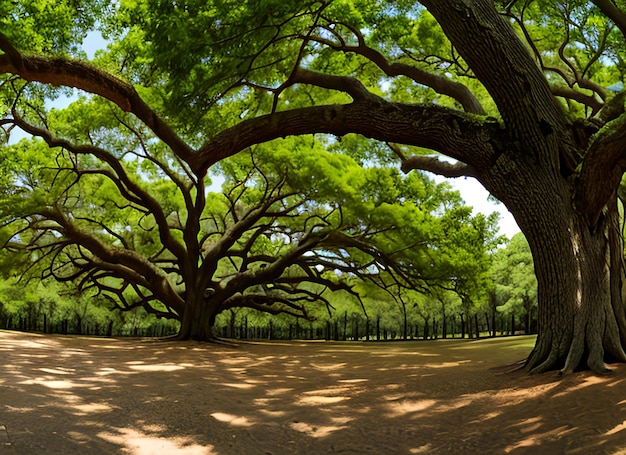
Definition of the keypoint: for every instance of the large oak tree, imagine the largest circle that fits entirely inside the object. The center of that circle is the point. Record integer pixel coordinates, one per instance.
(293, 225)
(515, 91)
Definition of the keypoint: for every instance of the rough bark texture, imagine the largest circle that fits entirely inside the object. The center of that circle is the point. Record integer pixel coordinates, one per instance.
(575, 246)
(197, 320)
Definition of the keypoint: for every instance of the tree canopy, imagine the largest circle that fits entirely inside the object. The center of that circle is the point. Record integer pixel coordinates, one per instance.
(124, 218)
(526, 96)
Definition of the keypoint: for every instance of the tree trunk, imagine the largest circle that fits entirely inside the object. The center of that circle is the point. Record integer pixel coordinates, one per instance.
(512, 323)
(197, 321)
(404, 323)
(476, 326)
(581, 314)
(462, 325)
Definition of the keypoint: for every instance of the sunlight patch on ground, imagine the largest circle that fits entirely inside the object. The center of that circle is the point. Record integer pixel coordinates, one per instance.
(538, 439)
(137, 443)
(424, 449)
(319, 400)
(157, 367)
(239, 385)
(236, 421)
(269, 413)
(402, 408)
(278, 391)
(616, 429)
(353, 381)
(446, 364)
(315, 431)
(455, 405)
(588, 381)
(107, 371)
(58, 370)
(489, 416)
(328, 366)
(90, 408)
(399, 352)
(51, 384)
(512, 397)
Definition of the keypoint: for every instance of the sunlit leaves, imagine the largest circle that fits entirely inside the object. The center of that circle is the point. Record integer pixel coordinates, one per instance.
(49, 26)
(514, 277)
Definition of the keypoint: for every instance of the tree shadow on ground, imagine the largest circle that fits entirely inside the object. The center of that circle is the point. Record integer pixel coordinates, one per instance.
(65, 395)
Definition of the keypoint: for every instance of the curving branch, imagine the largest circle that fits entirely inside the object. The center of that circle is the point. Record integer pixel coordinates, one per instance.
(83, 76)
(454, 133)
(439, 84)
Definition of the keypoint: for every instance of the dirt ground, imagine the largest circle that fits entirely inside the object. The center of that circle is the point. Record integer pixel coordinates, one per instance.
(77, 395)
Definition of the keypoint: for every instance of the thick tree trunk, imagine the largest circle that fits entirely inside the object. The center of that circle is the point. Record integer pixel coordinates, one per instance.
(581, 314)
(197, 321)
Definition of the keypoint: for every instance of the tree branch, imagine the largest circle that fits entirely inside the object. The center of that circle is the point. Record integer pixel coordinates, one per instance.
(454, 133)
(432, 164)
(83, 76)
(604, 162)
(129, 189)
(439, 84)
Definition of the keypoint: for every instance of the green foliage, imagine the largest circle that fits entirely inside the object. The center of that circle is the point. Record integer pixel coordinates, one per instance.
(49, 26)
(514, 277)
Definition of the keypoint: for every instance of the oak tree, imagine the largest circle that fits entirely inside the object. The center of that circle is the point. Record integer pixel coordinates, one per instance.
(293, 224)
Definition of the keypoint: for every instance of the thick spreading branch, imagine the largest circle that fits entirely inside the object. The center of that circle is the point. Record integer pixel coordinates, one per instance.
(83, 76)
(453, 133)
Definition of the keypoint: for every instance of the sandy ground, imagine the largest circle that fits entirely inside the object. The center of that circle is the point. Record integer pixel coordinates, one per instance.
(77, 395)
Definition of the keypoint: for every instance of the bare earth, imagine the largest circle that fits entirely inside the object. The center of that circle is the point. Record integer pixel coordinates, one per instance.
(76, 395)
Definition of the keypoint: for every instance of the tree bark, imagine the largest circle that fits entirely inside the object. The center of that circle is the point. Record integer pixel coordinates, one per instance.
(581, 312)
(197, 320)
(570, 223)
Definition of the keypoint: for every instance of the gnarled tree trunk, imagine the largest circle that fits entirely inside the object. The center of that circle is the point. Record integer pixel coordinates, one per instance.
(197, 320)
(579, 269)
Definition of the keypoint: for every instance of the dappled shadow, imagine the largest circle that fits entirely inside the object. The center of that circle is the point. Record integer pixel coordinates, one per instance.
(84, 395)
